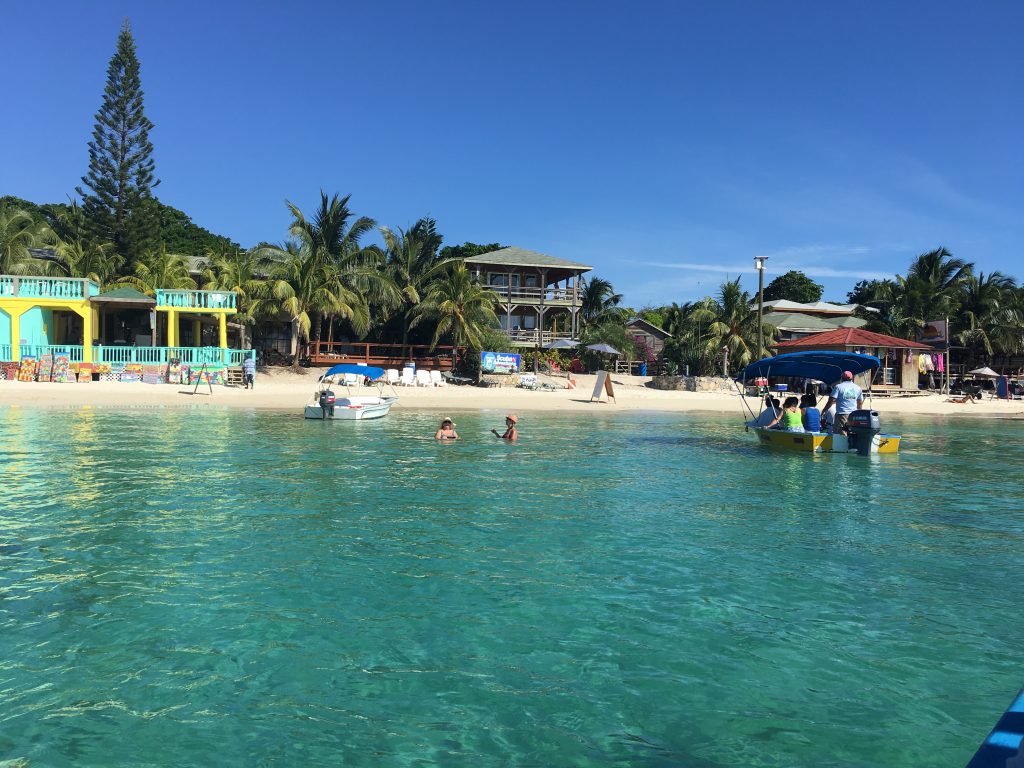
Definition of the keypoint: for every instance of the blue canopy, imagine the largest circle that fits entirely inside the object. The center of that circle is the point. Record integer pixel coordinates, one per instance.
(820, 366)
(359, 370)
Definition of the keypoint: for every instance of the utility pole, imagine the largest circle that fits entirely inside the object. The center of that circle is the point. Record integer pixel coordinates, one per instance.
(759, 266)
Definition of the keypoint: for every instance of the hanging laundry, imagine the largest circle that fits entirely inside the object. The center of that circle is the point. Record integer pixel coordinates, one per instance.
(940, 363)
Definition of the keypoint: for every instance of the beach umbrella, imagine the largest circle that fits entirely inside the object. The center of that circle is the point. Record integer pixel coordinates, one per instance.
(562, 344)
(986, 372)
(603, 348)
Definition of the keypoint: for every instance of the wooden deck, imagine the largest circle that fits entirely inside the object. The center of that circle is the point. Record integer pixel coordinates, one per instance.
(326, 353)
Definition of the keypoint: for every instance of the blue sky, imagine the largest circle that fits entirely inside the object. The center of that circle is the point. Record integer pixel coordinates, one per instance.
(666, 144)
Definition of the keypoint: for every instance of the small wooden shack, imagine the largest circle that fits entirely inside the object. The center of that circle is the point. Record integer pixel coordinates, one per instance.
(899, 371)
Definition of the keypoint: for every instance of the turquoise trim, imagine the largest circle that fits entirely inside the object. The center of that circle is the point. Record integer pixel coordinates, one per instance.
(73, 352)
(47, 287)
(161, 355)
(196, 300)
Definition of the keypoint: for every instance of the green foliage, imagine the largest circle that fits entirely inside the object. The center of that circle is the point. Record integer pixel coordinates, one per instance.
(793, 286)
(18, 233)
(467, 250)
(462, 309)
(180, 234)
(118, 205)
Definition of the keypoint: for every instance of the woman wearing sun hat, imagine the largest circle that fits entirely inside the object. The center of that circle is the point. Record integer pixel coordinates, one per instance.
(510, 428)
(447, 430)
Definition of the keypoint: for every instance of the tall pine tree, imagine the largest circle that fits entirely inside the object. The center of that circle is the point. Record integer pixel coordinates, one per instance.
(119, 206)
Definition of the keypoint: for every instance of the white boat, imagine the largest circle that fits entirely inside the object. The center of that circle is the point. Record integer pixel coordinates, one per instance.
(351, 408)
(326, 405)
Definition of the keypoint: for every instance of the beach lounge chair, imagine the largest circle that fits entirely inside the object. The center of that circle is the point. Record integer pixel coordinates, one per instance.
(408, 378)
(352, 380)
(437, 380)
(423, 378)
(451, 378)
(393, 376)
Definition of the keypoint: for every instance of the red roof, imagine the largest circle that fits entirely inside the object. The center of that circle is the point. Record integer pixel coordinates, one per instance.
(850, 337)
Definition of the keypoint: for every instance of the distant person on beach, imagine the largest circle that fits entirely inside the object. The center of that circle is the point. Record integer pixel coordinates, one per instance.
(446, 431)
(249, 372)
(811, 415)
(790, 420)
(510, 429)
(848, 397)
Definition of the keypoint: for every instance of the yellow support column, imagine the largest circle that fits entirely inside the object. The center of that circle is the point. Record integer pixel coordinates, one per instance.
(197, 332)
(87, 336)
(223, 330)
(172, 328)
(15, 336)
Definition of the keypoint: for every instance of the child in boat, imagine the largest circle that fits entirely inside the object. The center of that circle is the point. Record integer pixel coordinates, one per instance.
(791, 420)
(811, 415)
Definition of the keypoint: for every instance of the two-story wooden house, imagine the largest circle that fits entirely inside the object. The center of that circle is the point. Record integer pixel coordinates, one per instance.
(541, 295)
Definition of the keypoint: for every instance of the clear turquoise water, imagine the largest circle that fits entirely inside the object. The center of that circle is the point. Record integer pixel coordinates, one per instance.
(225, 588)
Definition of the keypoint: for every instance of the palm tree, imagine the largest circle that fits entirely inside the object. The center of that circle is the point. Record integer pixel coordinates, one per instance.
(988, 315)
(463, 309)
(245, 273)
(18, 233)
(303, 287)
(731, 325)
(160, 269)
(331, 241)
(599, 301)
(87, 259)
(412, 266)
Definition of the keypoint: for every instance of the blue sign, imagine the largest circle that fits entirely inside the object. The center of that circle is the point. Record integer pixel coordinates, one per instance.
(499, 362)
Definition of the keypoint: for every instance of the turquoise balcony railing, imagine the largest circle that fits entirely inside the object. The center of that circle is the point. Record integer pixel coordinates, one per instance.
(73, 352)
(15, 286)
(5, 352)
(161, 355)
(196, 300)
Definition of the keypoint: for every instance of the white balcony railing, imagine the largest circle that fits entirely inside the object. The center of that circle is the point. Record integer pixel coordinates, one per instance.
(559, 296)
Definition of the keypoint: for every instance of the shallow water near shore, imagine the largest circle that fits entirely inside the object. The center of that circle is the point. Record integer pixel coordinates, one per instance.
(241, 588)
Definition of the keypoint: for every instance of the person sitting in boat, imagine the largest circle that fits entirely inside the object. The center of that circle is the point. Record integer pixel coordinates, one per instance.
(510, 429)
(811, 415)
(772, 410)
(790, 420)
(446, 431)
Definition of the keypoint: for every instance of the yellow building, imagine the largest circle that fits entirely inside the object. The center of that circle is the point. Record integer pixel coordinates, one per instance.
(69, 316)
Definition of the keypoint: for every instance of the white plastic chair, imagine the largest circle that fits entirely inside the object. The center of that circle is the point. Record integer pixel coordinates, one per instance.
(408, 378)
(394, 377)
(423, 378)
(437, 380)
(352, 379)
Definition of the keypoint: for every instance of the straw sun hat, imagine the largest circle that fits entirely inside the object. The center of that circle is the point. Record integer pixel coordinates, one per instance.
(513, 418)
(446, 420)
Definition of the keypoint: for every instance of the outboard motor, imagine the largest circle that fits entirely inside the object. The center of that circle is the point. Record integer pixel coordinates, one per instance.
(327, 403)
(863, 426)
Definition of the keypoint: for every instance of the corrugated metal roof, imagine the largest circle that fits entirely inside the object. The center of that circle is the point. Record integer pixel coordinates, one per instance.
(124, 294)
(520, 257)
(850, 337)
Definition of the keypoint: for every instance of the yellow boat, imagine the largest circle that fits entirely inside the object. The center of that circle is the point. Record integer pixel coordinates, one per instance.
(822, 442)
(864, 426)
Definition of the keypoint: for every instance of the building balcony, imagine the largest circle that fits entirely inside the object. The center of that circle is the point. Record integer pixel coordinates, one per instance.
(532, 338)
(18, 287)
(196, 301)
(555, 297)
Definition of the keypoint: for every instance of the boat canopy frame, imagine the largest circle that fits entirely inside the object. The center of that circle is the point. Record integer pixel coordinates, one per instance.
(825, 366)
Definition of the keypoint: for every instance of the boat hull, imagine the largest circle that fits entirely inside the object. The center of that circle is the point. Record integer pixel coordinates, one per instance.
(352, 409)
(819, 442)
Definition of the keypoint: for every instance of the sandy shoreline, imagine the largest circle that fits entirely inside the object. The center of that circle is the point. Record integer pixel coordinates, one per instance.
(287, 390)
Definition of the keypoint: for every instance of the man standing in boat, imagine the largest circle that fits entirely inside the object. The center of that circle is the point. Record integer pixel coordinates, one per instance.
(848, 397)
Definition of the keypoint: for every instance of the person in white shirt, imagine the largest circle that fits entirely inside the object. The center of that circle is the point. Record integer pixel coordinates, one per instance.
(847, 397)
(772, 410)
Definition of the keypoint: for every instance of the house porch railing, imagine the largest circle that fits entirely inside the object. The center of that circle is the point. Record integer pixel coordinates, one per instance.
(143, 355)
(535, 337)
(17, 287)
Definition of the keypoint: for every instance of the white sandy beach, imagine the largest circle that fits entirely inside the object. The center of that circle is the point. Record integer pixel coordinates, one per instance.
(284, 389)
